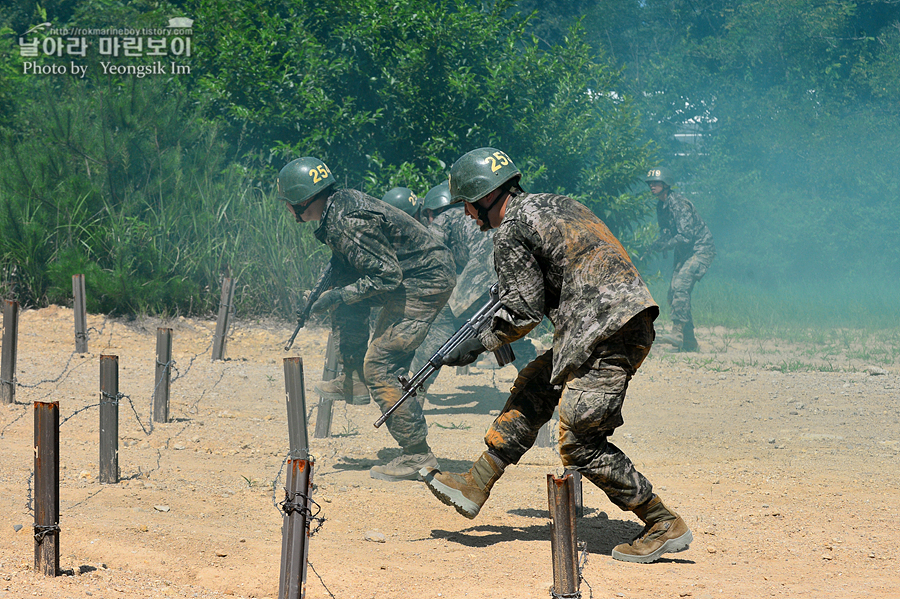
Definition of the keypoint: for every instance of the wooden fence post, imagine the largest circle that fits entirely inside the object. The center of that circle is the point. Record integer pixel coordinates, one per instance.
(109, 419)
(563, 530)
(298, 487)
(8, 359)
(46, 487)
(163, 370)
(222, 322)
(81, 340)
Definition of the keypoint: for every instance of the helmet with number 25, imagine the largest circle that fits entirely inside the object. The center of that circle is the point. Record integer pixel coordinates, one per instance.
(302, 179)
(480, 172)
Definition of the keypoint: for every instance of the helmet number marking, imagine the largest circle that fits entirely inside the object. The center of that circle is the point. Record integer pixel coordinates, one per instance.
(498, 160)
(319, 173)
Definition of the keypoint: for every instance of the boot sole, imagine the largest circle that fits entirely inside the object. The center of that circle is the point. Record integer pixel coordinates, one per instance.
(449, 496)
(678, 545)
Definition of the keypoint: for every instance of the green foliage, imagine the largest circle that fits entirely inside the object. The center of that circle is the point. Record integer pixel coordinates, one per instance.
(392, 93)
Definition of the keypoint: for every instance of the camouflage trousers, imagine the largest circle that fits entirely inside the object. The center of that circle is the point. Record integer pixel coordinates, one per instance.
(686, 273)
(443, 327)
(590, 409)
(399, 329)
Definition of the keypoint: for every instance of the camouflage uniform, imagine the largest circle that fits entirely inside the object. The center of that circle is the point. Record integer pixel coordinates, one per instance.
(555, 258)
(682, 229)
(383, 256)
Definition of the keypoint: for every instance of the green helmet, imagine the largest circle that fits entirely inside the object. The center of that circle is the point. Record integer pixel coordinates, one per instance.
(480, 172)
(437, 197)
(404, 199)
(661, 174)
(302, 179)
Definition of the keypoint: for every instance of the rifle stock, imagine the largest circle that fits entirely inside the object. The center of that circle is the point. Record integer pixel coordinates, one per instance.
(478, 322)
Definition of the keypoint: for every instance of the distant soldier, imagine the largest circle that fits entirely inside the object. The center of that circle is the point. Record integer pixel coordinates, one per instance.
(381, 257)
(473, 257)
(680, 229)
(556, 259)
(406, 200)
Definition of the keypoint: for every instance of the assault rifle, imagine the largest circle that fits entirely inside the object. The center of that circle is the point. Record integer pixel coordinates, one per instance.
(322, 285)
(478, 322)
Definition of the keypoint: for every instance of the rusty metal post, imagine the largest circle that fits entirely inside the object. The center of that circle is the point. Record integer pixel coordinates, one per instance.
(295, 527)
(163, 370)
(295, 394)
(8, 360)
(578, 493)
(222, 322)
(325, 406)
(81, 340)
(109, 419)
(46, 487)
(563, 530)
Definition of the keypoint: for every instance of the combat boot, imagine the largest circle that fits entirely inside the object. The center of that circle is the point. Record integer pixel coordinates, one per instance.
(665, 532)
(676, 337)
(465, 492)
(406, 466)
(335, 389)
(689, 343)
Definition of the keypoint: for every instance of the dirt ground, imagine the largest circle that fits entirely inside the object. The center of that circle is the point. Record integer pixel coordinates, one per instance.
(787, 474)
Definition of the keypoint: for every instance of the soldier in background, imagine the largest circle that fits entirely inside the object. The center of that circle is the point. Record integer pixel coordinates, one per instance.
(680, 229)
(381, 257)
(473, 258)
(354, 341)
(555, 258)
(406, 200)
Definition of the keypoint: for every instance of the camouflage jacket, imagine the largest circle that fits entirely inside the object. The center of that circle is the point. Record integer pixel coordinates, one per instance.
(681, 228)
(555, 258)
(381, 249)
(473, 254)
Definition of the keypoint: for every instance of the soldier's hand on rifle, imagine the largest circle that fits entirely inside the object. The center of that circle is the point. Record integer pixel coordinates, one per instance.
(327, 300)
(464, 353)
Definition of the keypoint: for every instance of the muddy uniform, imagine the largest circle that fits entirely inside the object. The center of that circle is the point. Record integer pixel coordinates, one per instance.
(681, 229)
(555, 258)
(383, 256)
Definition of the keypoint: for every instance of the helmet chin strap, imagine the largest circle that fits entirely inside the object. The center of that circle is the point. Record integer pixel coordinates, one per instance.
(483, 212)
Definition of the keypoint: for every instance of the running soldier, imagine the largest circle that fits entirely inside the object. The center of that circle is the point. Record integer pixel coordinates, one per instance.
(680, 229)
(381, 257)
(555, 258)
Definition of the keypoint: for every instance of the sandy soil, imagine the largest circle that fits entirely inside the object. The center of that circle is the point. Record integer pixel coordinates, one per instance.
(787, 475)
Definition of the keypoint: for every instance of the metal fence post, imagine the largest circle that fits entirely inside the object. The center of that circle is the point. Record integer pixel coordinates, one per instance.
(563, 529)
(163, 370)
(577, 493)
(81, 340)
(545, 434)
(109, 419)
(46, 487)
(295, 526)
(222, 322)
(8, 360)
(325, 406)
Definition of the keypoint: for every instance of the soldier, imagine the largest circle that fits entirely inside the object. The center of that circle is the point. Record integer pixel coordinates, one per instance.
(382, 257)
(680, 229)
(406, 200)
(473, 256)
(555, 258)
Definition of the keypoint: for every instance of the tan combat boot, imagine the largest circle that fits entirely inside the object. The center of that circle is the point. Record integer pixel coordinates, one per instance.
(465, 492)
(689, 343)
(406, 466)
(665, 532)
(334, 389)
(675, 338)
